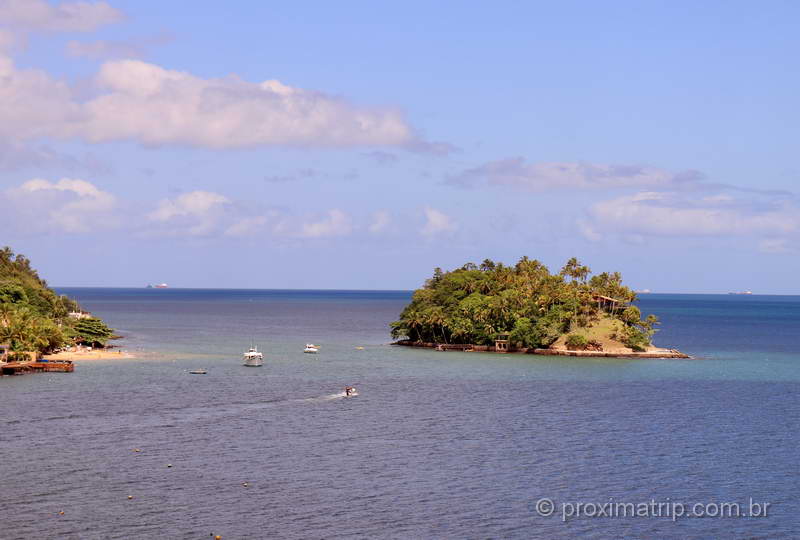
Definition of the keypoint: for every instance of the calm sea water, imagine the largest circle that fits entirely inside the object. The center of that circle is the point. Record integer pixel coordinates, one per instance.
(438, 445)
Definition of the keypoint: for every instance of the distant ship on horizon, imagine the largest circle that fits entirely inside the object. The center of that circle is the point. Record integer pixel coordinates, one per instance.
(741, 292)
(159, 286)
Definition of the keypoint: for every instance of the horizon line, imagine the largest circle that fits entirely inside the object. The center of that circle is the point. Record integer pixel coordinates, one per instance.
(369, 290)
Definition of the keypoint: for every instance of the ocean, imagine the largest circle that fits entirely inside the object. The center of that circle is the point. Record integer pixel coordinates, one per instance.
(437, 445)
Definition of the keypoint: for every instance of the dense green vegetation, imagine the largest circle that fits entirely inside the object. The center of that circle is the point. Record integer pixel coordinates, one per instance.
(34, 318)
(474, 304)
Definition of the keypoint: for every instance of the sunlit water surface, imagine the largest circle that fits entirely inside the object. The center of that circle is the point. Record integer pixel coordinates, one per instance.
(437, 445)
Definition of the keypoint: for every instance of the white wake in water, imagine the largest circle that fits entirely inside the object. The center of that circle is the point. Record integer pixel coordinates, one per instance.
(320, 399)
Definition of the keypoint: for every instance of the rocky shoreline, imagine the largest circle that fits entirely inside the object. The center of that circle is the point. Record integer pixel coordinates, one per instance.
(652, 352)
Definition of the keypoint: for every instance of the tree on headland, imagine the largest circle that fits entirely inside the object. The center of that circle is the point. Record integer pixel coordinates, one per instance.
(91, 331)
(475, 303)
(33, 317)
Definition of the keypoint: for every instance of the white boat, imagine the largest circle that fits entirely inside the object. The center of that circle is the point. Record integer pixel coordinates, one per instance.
(253, 358)
(311, 348)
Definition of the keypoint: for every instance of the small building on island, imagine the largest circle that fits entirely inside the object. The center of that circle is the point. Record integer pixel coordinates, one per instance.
(501, 342)
(4, 348)
(606, 302)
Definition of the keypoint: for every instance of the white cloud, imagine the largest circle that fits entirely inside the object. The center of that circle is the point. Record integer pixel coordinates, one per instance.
(676, 214)
(34, 104)
(193, 203)
(337, 223)
(145, 103)
(380, 221)
(777, 245)
(196, 213)
(542, 176)
(7, 40)
(437, 222)
(40, 15)
(69, 205)
(246, 226)
(588, 232)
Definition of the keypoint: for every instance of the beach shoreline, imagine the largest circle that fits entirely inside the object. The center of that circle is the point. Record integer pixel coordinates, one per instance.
(651, 352)
(95, 354)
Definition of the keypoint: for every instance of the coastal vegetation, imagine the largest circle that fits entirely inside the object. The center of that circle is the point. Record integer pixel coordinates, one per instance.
(528, 305)
(33, 317)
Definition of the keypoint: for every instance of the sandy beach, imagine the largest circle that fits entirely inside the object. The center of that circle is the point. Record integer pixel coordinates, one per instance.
(95, 354)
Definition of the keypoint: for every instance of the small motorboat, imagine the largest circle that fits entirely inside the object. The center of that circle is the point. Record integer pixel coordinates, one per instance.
(311, 348)
(350, 391)
(253, 358)
(198, 372)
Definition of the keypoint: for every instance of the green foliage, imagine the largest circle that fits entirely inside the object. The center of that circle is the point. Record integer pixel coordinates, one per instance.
(631, 315)
(32, 316)
(634, 338)
(472, 304)
(524, 333)
(26, 330)
(91, 331)
(12, 292)
(552, 325)
(576, 342)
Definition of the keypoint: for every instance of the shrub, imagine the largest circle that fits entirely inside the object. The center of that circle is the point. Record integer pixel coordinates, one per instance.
(635, 339)
(594, 345)
(576, 342)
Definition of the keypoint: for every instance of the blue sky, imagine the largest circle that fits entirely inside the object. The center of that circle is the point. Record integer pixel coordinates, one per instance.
(361, 144)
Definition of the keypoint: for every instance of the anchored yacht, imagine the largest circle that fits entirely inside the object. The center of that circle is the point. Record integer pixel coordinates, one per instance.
(253, 358)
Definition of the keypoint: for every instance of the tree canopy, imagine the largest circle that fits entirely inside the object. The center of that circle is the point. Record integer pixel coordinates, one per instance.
(476, 303)
(33, 317)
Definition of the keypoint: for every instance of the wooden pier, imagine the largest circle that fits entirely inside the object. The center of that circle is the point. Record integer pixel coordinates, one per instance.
(19, 368)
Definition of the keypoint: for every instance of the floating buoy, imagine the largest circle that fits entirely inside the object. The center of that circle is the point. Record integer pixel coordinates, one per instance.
(359, 348)
(130, 497)
(61, 513)
(218, 537)
(245, 484)
(137, 450)
(169, 465)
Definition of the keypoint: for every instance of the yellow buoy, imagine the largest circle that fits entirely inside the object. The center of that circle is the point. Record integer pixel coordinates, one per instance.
(137, 450)
(130, 497)
(61, 513)
(218, 537)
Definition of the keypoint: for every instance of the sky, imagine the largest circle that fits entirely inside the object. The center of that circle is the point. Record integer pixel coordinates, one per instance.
(358, 145)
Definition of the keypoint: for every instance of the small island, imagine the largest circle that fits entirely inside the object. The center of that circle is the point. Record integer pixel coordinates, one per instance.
(525, 308)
